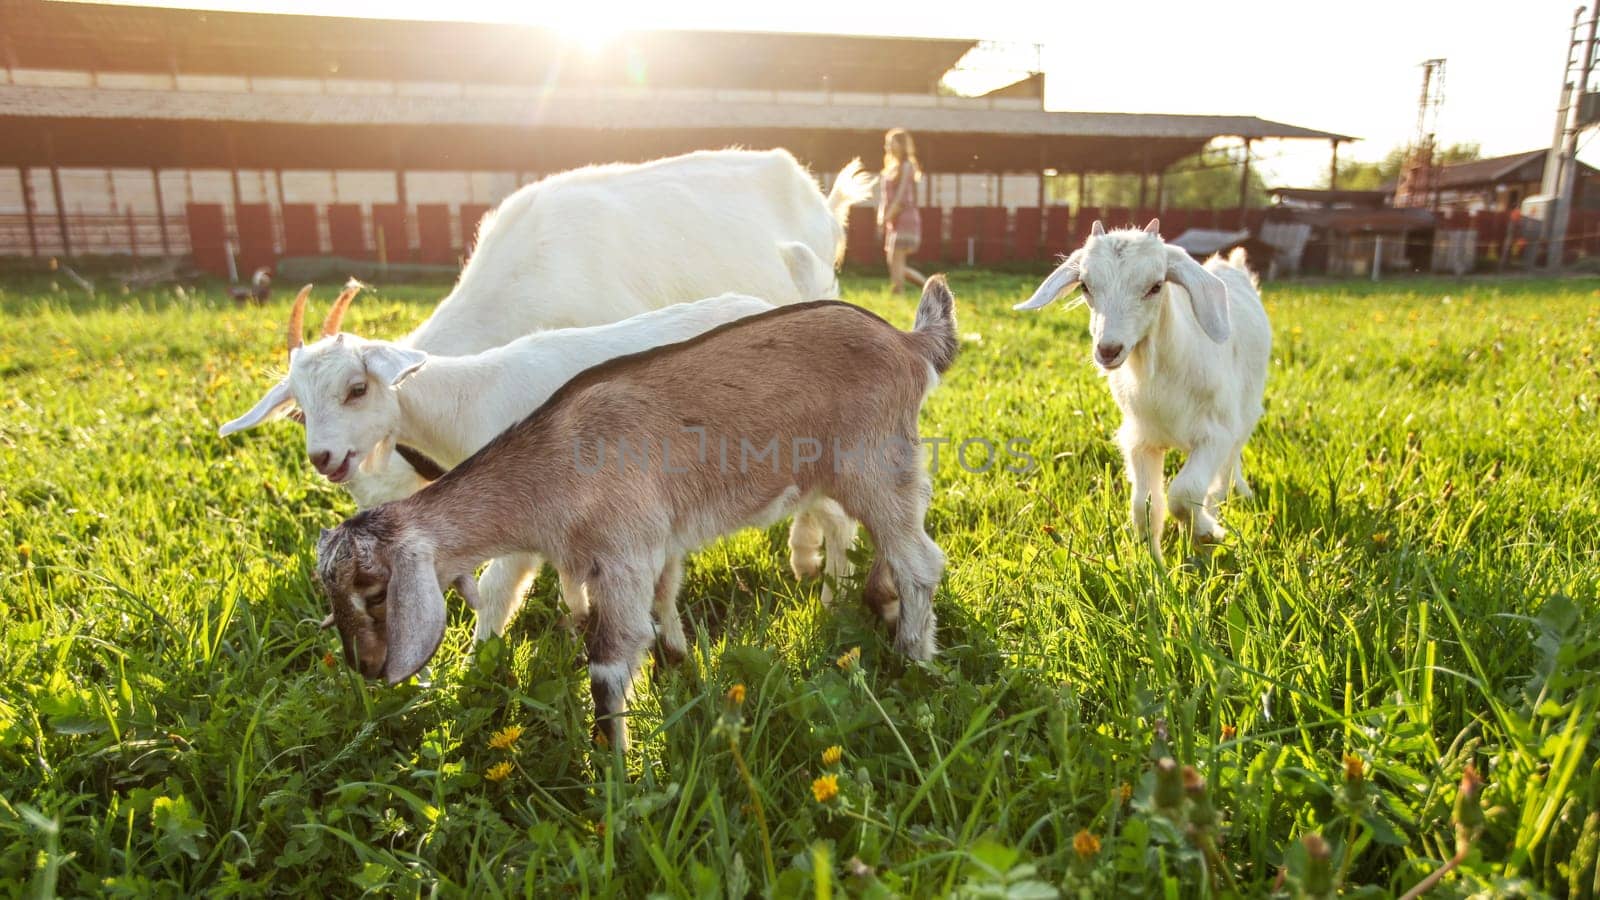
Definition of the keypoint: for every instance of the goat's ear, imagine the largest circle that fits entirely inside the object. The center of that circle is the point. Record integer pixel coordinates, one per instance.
(1153, 228)
(1062, 280)
(1208, 295)
(1097, 230)
(392, 365)
(273, 404)
(415, 615)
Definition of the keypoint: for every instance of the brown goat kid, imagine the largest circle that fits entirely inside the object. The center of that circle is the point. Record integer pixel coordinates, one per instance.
(642, 459)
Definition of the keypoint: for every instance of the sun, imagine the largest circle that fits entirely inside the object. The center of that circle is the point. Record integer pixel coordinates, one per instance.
(587, 29)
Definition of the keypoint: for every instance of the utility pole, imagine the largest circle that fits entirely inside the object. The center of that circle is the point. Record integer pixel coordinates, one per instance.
(1561, 166)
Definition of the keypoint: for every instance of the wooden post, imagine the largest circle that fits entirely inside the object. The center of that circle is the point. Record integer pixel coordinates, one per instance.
(1333, 166)
(282, 234)
(27, 209)
(1161, 190)
(161, 212)
(999, 189)
(133, 232)
(1082, 188)
(1144, 186)
(403, 239)
(61, 207)
(1244, 178)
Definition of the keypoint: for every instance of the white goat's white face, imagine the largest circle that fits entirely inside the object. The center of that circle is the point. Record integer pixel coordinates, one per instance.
(347, 388)
(1124, 281)
(1124, 275)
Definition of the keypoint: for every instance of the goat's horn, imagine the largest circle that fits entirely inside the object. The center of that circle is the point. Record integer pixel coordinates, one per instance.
(297, 318)
(330, 325)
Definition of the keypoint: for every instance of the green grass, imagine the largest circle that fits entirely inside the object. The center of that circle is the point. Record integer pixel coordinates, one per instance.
(1414, 585)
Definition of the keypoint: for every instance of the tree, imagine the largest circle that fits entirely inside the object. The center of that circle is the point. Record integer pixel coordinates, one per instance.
(1355, 175)
(1207, 180)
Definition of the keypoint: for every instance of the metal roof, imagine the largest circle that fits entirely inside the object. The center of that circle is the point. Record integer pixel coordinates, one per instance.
(116, 38)
(958, 135)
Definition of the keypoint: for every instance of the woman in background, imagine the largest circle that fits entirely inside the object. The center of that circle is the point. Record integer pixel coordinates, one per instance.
(897, 208)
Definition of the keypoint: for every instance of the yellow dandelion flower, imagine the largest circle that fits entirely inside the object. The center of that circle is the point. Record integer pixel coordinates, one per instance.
(1381, 539)
(1125, 792)
(832, 755)
(498, 771)
(505, 738)
(1354, 768)
(825, 788)
(328, 661)
(850, 659)
(1229, 732)
(25, 550)
(1086, 844)
(736, 695)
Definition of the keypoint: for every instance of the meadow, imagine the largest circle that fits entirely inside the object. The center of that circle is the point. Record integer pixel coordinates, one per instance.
(1395, 657)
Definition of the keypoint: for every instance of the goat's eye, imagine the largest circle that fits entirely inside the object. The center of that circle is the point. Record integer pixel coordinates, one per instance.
(357, 391)
(1154, 289)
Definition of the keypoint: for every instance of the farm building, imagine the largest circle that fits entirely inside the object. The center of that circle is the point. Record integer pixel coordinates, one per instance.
(250, 137)
(1502, 183)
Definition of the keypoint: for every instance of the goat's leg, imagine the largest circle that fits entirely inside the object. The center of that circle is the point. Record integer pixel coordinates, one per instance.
(914, 563)
(1148, 508)
(576, 598)
(1239, 484)
(1189, 495)
(805, 543)
(500, 591)
(839, 533)
(617, 633)
(671, 645)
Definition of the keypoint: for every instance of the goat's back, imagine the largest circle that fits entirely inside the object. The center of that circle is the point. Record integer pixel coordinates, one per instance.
(602, 243)
(724, 420)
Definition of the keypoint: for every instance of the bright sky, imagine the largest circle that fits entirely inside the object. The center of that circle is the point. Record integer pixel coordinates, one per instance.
(1351, 68)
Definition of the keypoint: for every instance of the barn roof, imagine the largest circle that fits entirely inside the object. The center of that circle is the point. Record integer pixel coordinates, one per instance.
(385, 94)
(116, 38)
(98, 126)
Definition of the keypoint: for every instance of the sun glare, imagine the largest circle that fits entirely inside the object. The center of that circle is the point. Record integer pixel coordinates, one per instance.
(586, 28)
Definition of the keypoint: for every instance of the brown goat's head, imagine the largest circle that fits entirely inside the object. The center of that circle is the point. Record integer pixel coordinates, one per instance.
(386, 599)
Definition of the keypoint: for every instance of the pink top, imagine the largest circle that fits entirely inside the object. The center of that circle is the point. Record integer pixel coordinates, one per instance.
(901, 189)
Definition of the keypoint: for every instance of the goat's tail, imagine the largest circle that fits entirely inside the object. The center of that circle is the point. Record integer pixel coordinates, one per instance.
(1240, 260)
(935, 329)
(851, 186)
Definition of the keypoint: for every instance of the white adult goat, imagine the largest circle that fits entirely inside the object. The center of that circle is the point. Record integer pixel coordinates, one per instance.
(1185, 349)
(602, 243)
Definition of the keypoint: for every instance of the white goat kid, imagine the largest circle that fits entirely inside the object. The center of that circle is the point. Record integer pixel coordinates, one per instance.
(361, 397)
(1184, 349)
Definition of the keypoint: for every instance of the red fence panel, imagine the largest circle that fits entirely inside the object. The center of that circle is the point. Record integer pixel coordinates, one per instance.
(300, 237)
(861, 237)
(932, 249)
(208, 237)
(1059, 237)
(471, 216)
(994, 237)
(963, 229)
(390, 233)
(433, 233)
(1025, 230)
(257, 249)
(345, 231)
(1230, 219)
